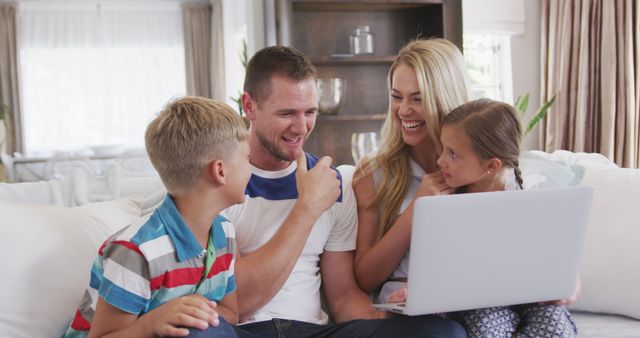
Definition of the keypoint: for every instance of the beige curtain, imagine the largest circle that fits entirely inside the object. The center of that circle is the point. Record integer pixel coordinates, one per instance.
(204, 49)
(590, 58)
(9, 94)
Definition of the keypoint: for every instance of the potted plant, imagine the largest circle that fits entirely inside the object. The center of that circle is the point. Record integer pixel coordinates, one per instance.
(522, 102)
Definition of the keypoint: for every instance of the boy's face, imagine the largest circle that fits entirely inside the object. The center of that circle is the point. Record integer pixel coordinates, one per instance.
(239, 172)
(459, 164)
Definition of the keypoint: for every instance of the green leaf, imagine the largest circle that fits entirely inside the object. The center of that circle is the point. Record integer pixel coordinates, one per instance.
(522, 103)
(243, 54)
(542, 112)
(238, 101)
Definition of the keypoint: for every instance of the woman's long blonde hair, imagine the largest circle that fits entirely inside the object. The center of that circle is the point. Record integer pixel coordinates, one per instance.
(442, 78)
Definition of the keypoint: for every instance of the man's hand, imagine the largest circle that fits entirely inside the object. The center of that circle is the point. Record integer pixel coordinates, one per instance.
(433, 184)
(171, 318)
(319, 187)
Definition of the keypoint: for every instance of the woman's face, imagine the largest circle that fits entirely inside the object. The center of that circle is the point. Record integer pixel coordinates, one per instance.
(407, 106)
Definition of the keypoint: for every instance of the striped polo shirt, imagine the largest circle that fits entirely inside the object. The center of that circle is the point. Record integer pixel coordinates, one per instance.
(153, 261)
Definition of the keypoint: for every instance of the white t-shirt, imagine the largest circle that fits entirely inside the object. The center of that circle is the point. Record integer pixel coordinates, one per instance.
(270, 197)
(402, 270)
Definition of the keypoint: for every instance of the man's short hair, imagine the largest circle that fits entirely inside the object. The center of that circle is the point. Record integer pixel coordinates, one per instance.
(189, 133)
(276, 60)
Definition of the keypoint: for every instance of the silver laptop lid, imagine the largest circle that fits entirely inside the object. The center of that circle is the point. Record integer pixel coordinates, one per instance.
(478, 250)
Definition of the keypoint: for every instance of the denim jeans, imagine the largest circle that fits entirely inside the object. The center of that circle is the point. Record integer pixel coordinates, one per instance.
(399, 326)
(224, 330)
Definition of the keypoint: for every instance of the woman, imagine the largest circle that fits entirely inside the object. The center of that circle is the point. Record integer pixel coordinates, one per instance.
(426, 81)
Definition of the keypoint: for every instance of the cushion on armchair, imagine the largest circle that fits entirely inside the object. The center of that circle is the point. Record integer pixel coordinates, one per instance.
(47, 254)
(610, 270)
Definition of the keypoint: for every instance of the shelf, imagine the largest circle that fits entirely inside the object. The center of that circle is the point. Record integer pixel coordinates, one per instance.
(352, 60)
(350, 117)
(360, 5)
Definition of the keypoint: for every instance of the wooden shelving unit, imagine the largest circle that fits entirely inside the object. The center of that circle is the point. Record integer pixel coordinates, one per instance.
(353, 60)
(321, 29)
(350, 117)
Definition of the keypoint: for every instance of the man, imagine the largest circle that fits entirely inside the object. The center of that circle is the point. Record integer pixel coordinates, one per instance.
(296, 231)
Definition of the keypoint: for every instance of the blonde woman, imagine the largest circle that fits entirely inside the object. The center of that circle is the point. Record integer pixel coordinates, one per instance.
(426, 81)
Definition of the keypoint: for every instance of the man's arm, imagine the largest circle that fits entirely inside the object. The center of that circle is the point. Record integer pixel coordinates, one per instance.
(346, 300)
(262, 273)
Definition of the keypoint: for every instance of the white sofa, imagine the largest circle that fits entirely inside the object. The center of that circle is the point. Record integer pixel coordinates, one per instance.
(50, 232)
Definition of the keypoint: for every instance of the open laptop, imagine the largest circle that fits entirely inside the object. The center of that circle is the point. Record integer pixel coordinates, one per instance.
(478, 250)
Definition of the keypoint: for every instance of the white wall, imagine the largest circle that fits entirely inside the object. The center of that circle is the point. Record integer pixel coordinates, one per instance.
(242, 20)
(525, 56)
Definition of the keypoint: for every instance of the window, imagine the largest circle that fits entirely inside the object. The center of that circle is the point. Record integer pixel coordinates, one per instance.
(96, 74)
(488, 58)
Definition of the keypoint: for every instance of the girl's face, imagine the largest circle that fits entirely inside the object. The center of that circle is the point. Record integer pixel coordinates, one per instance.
(460, 165)
(407, 106)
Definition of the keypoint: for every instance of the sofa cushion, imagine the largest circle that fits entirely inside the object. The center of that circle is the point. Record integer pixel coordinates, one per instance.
(592, 325)
(538, 171)
(47, 254)
(610, 269)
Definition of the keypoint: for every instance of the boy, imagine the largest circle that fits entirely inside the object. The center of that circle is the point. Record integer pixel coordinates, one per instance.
(174, 270)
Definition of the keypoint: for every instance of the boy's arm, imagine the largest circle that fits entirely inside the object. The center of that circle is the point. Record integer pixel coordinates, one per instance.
(228, 308)
(262, 273)
(168, 319)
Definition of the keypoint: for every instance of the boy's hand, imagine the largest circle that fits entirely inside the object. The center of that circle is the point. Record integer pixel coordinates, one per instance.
(196, 311)
(433, 184)
(319, 187)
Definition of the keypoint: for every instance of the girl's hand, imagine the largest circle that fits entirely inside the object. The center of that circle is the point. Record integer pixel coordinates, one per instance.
(433, 184)
(398, 296)
(570, 300)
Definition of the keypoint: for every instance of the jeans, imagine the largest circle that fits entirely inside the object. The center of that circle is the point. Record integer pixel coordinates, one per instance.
(224, 330)
(399, 326)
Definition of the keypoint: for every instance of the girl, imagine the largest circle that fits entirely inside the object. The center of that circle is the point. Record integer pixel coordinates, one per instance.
(481, 145)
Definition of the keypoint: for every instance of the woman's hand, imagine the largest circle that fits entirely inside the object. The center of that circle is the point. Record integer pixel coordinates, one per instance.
(433, 184)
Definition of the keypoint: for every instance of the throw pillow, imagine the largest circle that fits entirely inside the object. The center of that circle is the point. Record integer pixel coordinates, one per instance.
(47, 255)
(610, 270)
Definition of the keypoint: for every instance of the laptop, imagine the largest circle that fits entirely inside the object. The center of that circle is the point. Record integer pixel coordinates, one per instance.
(477, 250)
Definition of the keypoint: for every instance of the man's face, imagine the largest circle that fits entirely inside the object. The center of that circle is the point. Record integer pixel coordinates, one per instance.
(282, 121)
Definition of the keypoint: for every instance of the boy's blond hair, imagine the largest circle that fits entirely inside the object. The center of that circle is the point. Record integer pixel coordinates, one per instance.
(189, 133)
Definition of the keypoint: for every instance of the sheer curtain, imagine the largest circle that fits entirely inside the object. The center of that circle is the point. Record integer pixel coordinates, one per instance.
(10, 139)
(204, 48)
(96, 73)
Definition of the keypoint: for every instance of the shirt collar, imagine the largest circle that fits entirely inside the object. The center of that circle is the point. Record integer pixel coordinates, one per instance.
(416, 169)
(181, 236)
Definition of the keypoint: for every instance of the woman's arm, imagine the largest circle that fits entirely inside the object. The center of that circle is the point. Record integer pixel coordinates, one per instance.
(376, 261)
